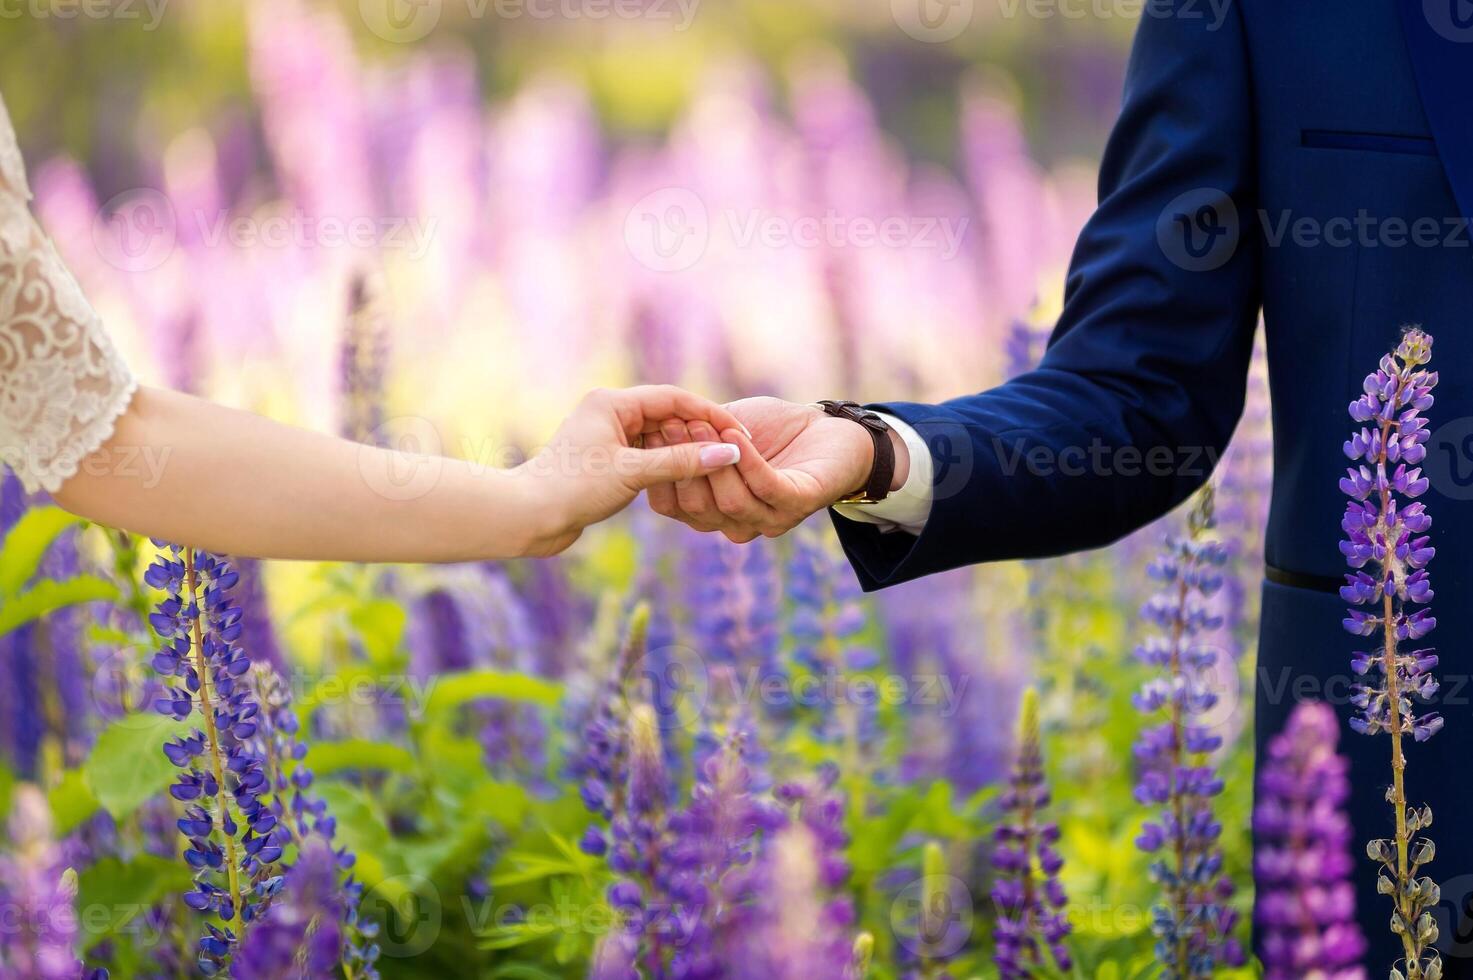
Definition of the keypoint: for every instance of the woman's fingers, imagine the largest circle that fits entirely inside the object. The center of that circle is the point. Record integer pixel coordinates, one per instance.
(661, 495)
(665, 465)
(641, 409)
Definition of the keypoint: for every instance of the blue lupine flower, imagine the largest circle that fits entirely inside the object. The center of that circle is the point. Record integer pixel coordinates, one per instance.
(1193, 924)
(1387, 548)
(1030, 899)
(235, 837)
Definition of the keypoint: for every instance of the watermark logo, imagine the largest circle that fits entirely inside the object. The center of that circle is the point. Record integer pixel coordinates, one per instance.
(137, 230)
(933, 21)
(1198, 231)
(1451, 19)
(668, 230)
(413, 466)
(932, 916)
(675, 682)
(1449, 462)
(411, 911)
(401, 21)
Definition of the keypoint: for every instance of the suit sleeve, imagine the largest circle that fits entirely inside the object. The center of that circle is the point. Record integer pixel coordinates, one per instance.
(1143, 380)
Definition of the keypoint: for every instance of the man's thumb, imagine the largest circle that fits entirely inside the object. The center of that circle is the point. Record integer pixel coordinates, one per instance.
(670, 464)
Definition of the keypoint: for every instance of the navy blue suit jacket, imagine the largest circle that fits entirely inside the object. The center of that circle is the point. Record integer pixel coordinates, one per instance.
(1313, 161)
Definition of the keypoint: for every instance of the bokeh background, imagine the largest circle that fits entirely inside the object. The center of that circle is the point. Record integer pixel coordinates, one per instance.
(435, 223)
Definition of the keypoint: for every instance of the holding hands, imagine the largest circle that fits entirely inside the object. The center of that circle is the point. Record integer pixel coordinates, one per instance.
(795, 460)
(610, 448)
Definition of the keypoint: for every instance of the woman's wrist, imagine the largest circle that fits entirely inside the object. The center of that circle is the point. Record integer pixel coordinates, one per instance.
(539, 519)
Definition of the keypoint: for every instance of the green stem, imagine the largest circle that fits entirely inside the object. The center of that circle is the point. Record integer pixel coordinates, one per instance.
(1396, 726)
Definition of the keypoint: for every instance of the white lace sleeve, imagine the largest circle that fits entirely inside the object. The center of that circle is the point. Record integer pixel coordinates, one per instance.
(62, 384)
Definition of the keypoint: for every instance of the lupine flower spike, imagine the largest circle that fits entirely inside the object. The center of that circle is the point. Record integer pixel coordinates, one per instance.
(1387, 547)
(235, 838)
(1306, 905)
(1030, 900)
(1193, 925)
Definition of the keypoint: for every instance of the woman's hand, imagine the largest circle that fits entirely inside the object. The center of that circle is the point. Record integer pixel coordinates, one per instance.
(596, 463)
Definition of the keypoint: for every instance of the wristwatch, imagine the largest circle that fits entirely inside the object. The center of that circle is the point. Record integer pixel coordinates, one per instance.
(877, 488)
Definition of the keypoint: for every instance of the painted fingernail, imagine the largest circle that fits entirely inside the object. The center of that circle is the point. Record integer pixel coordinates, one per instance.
(721, 454)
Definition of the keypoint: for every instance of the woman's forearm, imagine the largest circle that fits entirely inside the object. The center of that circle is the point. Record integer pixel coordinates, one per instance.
(183, 469)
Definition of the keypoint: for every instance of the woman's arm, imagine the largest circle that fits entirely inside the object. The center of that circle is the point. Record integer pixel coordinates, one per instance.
(182, 469)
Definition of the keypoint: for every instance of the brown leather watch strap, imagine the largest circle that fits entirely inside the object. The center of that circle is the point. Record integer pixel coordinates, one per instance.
(877, 487)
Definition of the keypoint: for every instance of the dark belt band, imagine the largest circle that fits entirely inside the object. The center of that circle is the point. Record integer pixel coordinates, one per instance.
(1300, 580)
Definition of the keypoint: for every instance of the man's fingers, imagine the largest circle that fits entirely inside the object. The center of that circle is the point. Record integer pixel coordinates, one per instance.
(661, 495)
(766, 483)
(730, 492)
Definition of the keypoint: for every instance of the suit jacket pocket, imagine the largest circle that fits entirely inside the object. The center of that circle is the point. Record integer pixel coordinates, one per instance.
(1339, 139)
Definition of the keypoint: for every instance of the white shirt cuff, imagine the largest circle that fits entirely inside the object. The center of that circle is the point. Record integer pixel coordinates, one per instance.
(908, 508)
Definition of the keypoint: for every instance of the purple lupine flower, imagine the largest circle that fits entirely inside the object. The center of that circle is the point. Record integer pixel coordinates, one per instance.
(602, 764)
(712, 843)
(735, 601)
(37, 898)
(235, 839)
(613, 958)
(644, 894)
(964, 734)
(303, 936)
(363, 363)
(1387, 548)
(802, 931)
(1306, 905)
(306, 817)
(1193, 924)
(827, 619)
(1030, 900)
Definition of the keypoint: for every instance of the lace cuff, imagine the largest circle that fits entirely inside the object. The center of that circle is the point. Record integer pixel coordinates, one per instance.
(62, 383)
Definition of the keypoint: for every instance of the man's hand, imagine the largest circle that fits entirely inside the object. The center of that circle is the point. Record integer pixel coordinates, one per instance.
(797, 462)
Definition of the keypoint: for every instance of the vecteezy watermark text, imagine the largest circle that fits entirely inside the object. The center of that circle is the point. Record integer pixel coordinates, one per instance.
(672, 230)
(150, 12)
(407, 21)
(1101, 459)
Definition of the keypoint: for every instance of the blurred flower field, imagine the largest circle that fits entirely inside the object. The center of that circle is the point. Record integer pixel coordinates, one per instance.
(660, 754)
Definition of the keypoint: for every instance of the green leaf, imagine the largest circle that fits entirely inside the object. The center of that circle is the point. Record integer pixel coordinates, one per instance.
(71, 802)
(26, 545)
(522, 971)
(48, 596)
(127, 766)
(326, 758)
(362, 831)
(380, 625)
(7, 787)
(505, 803)
(112, 893)
(452, 690)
